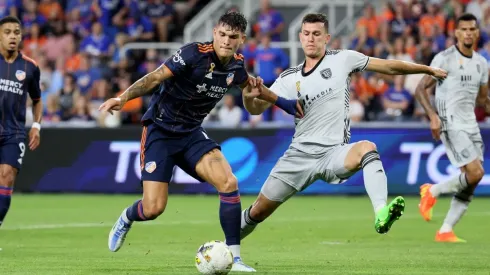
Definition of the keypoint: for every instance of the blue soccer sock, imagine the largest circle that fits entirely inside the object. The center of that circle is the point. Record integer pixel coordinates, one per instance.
(230, 210)
(135, 212)
(5, 197)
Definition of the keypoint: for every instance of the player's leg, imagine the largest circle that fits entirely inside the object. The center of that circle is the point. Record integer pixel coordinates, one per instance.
(11, 153)
(213, 168)
(274, 192)
(203, 160)
(364, 155)
(156, 171)
(7, 178)
(461, 151)
(294, 171)
(473, 172)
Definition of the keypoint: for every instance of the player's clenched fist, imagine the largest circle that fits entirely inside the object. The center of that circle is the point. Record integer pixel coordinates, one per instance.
(112, 104)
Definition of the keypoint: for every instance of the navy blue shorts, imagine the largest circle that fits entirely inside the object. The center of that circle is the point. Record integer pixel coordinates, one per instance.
(12, 150)
(160, 152)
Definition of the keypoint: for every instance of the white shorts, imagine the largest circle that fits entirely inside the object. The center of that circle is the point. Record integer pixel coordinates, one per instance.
(463, 147)
(299, 169)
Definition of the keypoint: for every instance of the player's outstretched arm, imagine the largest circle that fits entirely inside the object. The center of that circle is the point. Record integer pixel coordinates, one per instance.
(264, 97)
(141, 87)
(422, 94)
(394, 67)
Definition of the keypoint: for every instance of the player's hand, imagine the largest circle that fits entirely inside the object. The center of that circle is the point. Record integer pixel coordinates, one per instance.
(435, 127)
(256, 84)
(34, 138)
(112, 104)
(438, 73)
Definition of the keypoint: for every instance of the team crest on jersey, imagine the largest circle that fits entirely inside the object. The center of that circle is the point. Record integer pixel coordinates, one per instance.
(326, 73)
(478, 67)
(150, 166)
(21, 75)
(229, 78)
(298, 88)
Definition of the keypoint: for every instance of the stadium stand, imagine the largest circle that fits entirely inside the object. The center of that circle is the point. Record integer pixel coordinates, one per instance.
(78, 46)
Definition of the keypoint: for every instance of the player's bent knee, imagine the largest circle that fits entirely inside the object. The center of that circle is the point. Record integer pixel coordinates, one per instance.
(229, 184)
(365, 147)
(7, 176)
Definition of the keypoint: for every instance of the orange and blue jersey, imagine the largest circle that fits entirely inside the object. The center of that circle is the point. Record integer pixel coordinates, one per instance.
(180, 104)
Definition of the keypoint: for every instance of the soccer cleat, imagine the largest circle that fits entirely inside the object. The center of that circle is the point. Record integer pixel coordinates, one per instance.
(118, 233)
(389, 214)
(427, 202)
(448, 237)
(240, 266)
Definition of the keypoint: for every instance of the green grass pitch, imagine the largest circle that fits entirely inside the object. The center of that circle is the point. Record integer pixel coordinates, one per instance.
(67, 234)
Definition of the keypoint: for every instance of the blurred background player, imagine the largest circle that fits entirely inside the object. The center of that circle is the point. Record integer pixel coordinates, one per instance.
(454, 122)
(19, 75)
(321, 148)
(188, 86)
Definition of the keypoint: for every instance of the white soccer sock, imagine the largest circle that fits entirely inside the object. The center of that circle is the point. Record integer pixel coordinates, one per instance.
(235, 250)
(456, 211)
(375, 180)
(453, 185)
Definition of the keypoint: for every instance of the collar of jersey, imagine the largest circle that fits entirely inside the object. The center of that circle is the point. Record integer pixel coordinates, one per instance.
(314, 68)
(461, 53)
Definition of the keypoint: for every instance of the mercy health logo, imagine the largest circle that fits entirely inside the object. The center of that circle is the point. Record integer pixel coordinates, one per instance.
(240, 152)
(420, 151)
(11, 86)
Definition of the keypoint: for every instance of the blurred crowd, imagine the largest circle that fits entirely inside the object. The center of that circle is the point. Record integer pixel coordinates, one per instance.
(77, 44)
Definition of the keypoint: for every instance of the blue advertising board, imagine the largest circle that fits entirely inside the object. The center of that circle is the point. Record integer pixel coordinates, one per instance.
(109, 163)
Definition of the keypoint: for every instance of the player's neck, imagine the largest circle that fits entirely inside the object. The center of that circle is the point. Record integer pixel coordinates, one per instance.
(310, 62)
(468, 52)
(9, 56)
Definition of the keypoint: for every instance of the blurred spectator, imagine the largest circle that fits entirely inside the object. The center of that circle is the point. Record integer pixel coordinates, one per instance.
(230, 114)
(356, 109)
(269, 61)
(269, 22)
(396, 101)
(97, 43)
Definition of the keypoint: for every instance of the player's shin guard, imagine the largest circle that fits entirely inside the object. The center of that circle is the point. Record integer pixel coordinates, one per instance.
(375, 180)
(248, 223)
(229, 215)
(459, 205)
(5, 197)
(135, 212)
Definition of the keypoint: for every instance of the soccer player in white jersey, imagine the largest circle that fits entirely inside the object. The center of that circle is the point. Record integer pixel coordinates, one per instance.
(320, 148)
(454, 122)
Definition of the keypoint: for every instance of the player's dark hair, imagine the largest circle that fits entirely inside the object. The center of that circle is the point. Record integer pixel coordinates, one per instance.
(235, 20)
(9, 19)
(316, 18)
(466, 17)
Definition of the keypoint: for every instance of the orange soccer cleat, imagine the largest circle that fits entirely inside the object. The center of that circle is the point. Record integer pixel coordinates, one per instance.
(448, 237)
(427, 201)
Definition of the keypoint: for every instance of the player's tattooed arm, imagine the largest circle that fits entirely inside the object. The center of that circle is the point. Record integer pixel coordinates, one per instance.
(395, 67)
(145, 84)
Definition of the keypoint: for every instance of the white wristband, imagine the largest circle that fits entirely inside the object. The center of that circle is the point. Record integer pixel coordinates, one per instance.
(36, 125)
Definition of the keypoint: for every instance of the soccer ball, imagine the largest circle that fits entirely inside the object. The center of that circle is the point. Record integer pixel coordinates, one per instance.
(214, 257)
